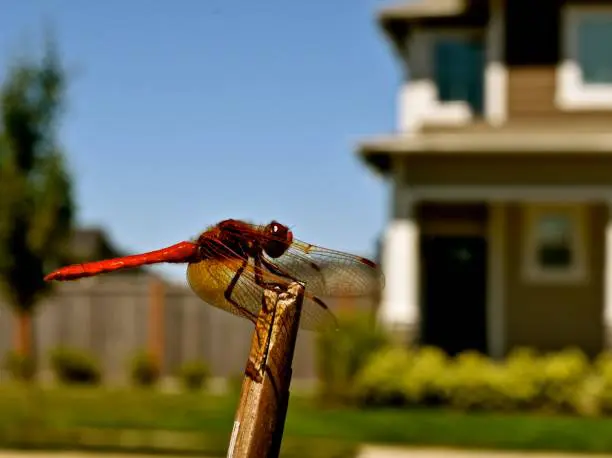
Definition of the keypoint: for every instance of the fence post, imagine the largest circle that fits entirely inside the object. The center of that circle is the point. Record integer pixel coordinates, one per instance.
(157, 321)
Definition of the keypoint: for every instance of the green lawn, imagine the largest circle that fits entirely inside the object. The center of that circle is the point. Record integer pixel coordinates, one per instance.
(209, 420)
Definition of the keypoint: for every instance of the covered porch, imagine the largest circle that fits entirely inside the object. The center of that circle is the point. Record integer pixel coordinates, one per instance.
(492, 245)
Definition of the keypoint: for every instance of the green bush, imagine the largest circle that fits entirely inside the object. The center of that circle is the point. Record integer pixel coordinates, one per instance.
(474, 382)
(521, 381)
(562, 382)
(380, 381)
(73, 366)
(194, 375)
(342, 353)
(594, 395)
(19, 367)
(563, 375)
(144, 370)
(425, 380)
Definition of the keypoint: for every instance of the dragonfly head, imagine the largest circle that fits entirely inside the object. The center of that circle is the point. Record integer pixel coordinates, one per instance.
(278, 238)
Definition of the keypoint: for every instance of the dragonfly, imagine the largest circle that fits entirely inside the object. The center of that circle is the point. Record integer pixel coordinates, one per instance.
(232, 263)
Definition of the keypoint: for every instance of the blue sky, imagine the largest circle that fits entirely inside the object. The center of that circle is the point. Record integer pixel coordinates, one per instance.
(185, 113)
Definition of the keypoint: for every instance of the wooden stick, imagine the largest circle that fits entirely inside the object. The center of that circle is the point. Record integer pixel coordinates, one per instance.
(260, 417)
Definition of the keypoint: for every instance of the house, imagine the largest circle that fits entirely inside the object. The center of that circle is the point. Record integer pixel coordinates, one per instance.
(500, 228)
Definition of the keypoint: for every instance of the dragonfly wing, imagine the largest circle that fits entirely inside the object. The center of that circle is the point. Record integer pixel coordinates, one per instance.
(316, 316)
(210, 280)
(330, 273)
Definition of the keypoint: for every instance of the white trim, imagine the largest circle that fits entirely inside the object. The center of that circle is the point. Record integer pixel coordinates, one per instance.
(532, 272)
(496, 73)
(496, 280)
(418, 105)
(454, 193)
(571, 92)
(399, 309)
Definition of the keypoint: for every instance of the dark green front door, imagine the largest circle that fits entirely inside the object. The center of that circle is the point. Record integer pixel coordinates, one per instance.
(454, 293)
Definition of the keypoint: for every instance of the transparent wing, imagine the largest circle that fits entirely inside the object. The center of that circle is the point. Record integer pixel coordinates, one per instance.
(211, 279)
(330, 273)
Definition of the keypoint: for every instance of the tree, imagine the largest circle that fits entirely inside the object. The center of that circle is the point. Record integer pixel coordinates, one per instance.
(36, 206)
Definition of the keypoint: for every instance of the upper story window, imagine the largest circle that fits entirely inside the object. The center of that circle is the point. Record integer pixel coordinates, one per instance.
(446, 77)
(585, 76)
(459, 65)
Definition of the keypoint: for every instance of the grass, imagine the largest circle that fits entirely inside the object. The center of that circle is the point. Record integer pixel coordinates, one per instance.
(64, 409)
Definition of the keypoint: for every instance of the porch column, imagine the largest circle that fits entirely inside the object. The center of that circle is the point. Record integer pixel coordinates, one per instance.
(399, 309)
(607, 306)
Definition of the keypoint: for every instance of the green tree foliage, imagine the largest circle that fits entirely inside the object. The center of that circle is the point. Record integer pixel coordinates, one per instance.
(36, 206)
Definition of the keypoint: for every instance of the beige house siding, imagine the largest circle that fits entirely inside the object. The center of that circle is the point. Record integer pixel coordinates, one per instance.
(437, 218)
(531, 91)
(480, 169)
(551, 317)
(533, 52)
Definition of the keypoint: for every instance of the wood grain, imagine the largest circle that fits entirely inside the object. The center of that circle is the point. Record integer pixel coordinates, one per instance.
(264, 399)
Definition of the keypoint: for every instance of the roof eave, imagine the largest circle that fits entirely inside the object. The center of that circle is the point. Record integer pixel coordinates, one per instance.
(379, 153)
(395, 20)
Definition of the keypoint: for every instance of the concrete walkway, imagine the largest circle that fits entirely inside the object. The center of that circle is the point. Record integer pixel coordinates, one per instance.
(392, 452)
(41, 454)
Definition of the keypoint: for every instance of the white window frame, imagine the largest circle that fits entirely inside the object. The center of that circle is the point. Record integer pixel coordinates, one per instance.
(532, 271)
(571, 92)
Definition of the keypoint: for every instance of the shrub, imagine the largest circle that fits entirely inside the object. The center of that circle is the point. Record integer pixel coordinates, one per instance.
(473, 382)
(563, 374)
(380, 381)
(144, 370)
(194, 375)
(20, 367)
(561, 382)
(342, 353)
(72, 366)
(594, 395)
(521, 381)
(425, 379)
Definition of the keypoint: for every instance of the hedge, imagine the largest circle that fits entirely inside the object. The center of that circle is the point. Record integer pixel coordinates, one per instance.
(562, 382)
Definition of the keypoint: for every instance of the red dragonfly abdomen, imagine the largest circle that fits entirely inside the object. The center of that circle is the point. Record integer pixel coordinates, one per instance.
(178, 253)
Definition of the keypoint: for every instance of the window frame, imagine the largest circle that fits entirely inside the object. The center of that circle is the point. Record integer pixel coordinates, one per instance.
(532, 271)
(572, 92)
(421, 63)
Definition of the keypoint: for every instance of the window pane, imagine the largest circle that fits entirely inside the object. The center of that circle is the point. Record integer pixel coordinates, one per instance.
(594, 55)
(459, 71)
(555, 241)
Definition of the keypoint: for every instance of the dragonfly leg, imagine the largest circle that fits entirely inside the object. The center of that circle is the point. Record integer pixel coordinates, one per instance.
(277, 271)
(230, 289)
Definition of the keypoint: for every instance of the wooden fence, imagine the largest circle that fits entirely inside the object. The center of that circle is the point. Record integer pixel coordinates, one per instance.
(110, 317)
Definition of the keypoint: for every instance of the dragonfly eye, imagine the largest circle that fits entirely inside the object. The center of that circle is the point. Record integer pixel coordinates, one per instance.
(278, 239)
